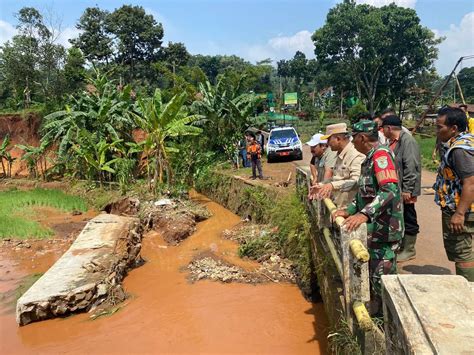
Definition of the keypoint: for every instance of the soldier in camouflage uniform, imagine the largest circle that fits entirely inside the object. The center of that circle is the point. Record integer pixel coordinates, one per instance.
(377, 203)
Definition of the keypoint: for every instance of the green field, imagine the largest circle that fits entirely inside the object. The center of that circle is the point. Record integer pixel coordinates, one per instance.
(306, 129)
(427, 146)
(16, 210)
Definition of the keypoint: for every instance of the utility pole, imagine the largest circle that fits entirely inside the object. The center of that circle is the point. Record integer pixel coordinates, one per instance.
(435, 97)
(454, 92)
(460, 89)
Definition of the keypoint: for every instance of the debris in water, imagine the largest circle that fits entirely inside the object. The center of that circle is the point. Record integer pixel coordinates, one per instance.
(215, 269)
(209, 266)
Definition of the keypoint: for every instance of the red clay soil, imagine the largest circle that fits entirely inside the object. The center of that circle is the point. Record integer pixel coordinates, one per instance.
(22, 130)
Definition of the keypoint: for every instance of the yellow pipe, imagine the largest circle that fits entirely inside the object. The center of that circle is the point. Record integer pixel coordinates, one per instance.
(359, 251)
(332, 208)
(362, 316)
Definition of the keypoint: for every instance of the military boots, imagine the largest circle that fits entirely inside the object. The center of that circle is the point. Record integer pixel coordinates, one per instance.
(408, 248)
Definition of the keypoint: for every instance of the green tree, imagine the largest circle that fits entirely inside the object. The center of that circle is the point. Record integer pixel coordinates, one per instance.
(5, 157)
(212, 66)
(175, 54)
(31, 62)
(299, 67)
(105, 110)
(227, 113)
(173, 59)
(95, 41)
(163, 123)
(74, 71)
(97, 154)
(466, 79)
(381, 48)
(355, 111)
(284, 68)
(137, 35)
(36, 158)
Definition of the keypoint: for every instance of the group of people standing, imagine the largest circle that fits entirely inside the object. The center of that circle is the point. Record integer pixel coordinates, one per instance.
(373, 174)
(249, 151)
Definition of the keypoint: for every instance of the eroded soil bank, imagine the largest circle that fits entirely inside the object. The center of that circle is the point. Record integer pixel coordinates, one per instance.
(168, 314)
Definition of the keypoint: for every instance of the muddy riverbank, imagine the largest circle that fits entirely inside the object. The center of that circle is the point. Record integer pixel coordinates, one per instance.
(168, 314)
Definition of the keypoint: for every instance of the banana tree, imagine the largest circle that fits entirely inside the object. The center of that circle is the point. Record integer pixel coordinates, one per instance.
(36, 158)
(99, 155)
(226, 112)
(3, 153)
(8, 157)
(104, 110)
(163, 123)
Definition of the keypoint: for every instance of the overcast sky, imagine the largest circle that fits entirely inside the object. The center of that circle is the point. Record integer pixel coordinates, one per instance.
(258, 29)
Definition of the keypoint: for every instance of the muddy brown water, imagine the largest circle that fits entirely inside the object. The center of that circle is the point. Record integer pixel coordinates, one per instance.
(167, 314)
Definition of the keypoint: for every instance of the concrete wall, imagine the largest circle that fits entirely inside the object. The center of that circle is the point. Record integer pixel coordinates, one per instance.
(88, 273)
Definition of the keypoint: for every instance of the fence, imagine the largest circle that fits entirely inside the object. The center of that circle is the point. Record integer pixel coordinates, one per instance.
(348, 254)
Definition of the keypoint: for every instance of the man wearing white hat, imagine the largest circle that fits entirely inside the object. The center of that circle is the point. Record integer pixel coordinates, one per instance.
(323, 159)
(343, 185)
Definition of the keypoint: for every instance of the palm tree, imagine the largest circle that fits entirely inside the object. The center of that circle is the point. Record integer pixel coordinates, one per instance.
(161, 123)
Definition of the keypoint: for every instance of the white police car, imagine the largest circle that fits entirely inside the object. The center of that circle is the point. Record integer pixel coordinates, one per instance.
(284, 142)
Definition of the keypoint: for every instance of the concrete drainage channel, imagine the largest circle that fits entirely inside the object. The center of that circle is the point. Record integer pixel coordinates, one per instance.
(88, 273)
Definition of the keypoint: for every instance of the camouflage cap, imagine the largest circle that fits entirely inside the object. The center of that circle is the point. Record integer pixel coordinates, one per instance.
(364, 126)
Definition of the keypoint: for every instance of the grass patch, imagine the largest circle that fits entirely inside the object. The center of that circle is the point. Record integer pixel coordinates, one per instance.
(96, 197)
(290, 238)
(427, 146)
(341, 341)
(290, 216)
(16, 210)
(263, 244)
(244, 171)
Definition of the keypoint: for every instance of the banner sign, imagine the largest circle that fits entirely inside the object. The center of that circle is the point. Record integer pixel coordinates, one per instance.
(291, 98)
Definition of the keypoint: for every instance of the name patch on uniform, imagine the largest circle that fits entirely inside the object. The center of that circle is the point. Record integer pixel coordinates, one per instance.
(384, 167)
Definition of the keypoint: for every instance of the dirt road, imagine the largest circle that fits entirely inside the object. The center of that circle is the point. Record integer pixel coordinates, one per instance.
(431, 257)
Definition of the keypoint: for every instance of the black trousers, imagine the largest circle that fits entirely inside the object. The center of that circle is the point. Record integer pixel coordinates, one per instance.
(257, 165)
(411, 222)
